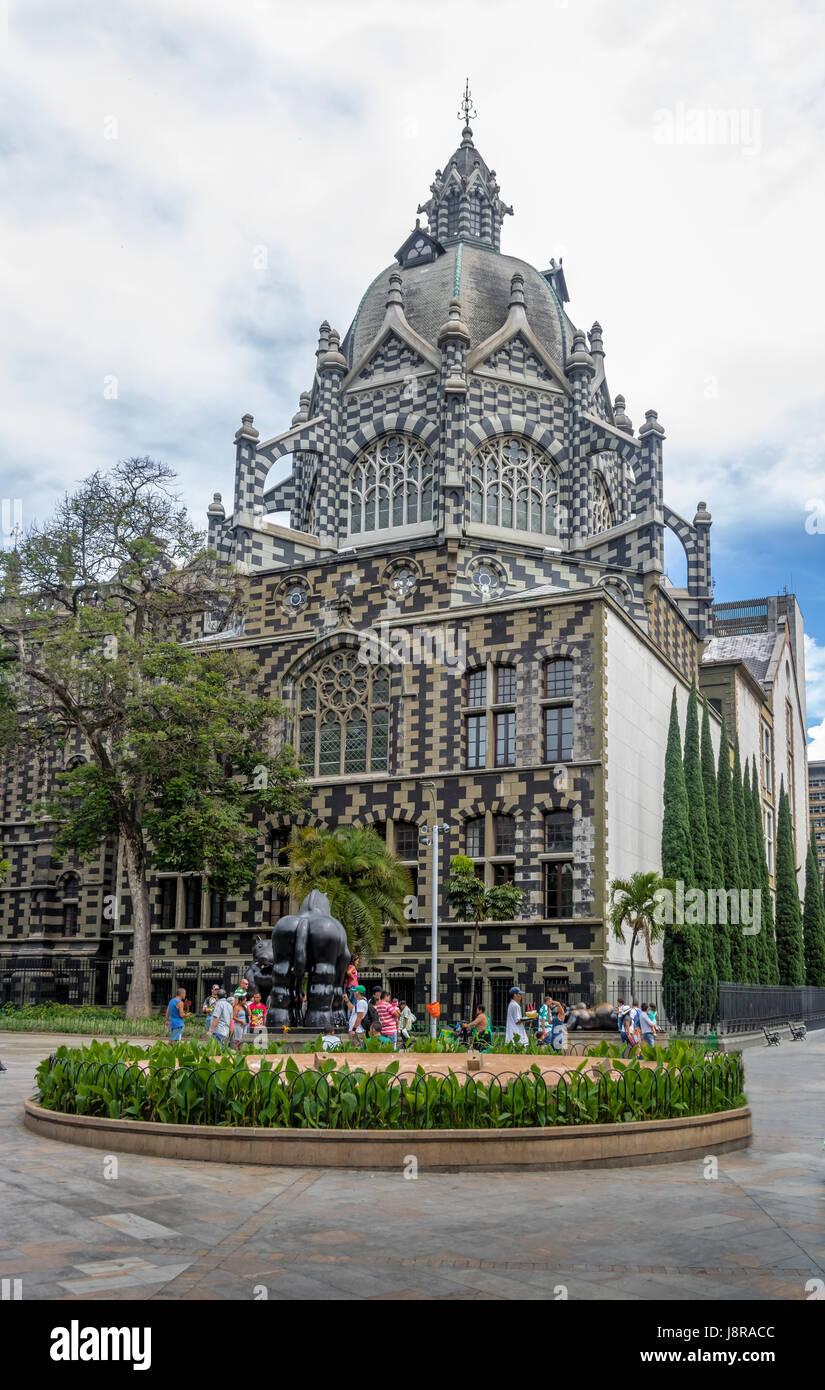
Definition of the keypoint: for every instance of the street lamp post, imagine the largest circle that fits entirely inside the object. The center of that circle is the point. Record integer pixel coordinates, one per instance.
(426, 838)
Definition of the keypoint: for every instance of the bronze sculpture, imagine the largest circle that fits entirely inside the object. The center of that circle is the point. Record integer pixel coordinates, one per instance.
(311, 943)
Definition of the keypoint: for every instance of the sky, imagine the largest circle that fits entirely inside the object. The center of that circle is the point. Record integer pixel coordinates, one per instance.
(191, 187)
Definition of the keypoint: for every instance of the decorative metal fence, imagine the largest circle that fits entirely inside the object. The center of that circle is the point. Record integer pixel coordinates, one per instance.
(730, 1008)
(83, 980)
(381, 1100)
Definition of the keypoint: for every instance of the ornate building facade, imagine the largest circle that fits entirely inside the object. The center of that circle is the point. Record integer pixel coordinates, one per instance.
(458, 590)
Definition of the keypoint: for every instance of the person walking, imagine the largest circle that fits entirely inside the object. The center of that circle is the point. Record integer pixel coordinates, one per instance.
(210, 1001)
(630, 1032)
(406, 1021)
(358, 1014)
(220, 1023)
(388, 1019)
(515, 1019)
(372, 1021)
(174, 1016)
(647, 1027)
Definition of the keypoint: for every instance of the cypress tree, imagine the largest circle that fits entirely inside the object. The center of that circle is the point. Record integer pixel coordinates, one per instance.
(771, 962)
(719, 932)
(739, 942)
(757, 965)
(789, 943)
(813, 921)
(730, 848)
(711, 800)
(700, 845)
(682, 964)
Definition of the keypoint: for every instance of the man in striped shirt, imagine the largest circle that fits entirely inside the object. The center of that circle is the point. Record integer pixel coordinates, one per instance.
(388, 1018)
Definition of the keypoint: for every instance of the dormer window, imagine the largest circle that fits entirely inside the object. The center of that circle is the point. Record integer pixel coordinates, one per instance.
(419, 249)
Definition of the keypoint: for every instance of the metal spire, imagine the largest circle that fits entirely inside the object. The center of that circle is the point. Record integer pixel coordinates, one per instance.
(467, 111)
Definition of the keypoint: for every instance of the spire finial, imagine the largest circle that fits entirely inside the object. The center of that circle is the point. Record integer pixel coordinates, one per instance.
(467, 111)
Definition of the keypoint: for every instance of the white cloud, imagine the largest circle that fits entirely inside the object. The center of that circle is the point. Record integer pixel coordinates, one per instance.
(816, 748)
(315, 131)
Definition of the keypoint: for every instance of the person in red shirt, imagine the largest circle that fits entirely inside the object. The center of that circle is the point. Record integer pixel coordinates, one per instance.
(388, 1018)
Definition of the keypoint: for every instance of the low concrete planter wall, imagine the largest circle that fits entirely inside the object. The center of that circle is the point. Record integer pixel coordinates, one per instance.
(582, 1146)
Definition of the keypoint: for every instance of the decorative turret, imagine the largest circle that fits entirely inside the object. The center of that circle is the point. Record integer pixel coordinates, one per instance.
(579, 359)
(302, 412)
(620, 419)
(465, 203)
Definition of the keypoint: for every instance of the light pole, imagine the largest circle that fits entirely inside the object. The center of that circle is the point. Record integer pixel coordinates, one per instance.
(425, 839)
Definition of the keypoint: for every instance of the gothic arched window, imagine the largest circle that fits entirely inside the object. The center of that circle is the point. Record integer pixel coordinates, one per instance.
(390, 484)
(474, 204)
(513, 484)
(601, 510)
(344, 717)
(452, 213)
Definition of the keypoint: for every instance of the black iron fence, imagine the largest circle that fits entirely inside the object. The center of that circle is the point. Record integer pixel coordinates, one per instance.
(82, 980)
(728, 1008)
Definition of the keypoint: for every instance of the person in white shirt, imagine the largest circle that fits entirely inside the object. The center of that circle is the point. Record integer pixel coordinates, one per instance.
(515, 1018)
(357, 1012)
(221, 1020)
(330, 1040)
(406, 1019)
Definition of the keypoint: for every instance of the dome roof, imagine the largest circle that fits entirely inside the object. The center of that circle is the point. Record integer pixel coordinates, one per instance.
(480, 278)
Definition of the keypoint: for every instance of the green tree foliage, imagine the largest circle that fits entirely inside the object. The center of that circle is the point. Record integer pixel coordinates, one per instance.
(739, 943)
(719, 933)
(754, 945)
(711, 801)
(180, 749)
(813, 920)
(634, 907)
(789, 941)
(768, 932)
(367, 887)
(730, 851)
(682, 965)
(472, 901)
(700, 842)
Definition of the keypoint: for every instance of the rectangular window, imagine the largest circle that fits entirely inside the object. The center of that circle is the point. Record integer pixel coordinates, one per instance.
(767, 762)
(505, 828)
(505, 726)
(558, 832)
(477, 688)
(504, 873)
(192, 903)
(406, 841)
(558, 734)
(505, 685)
(476, 740)
(71, 922)
(168, 903)
(558, 890)
(558, 678)
(474, 839)
(769, 838)
(217, 911)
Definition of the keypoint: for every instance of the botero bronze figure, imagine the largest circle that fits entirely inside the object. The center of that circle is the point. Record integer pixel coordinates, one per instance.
(311, 943)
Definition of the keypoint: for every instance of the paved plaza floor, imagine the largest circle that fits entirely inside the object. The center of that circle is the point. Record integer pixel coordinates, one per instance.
(167, 1230)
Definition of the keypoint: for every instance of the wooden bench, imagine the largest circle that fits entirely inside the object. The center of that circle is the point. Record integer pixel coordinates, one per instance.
(798, 1031)
(771, 1037)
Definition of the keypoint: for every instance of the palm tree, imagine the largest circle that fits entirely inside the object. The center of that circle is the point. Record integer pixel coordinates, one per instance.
(368, 889)
(633, 905)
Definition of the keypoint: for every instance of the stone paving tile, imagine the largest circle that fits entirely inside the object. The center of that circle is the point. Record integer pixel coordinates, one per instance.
(663, 1232)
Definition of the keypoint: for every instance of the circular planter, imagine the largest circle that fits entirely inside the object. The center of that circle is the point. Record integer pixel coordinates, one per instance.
(580, 1146)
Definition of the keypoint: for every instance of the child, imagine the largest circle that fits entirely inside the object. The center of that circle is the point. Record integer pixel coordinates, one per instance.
(257, 1013)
